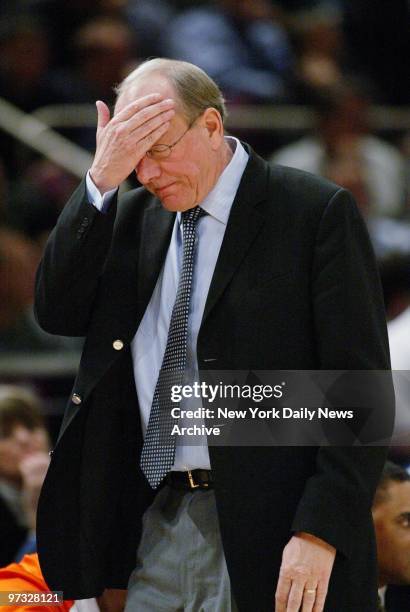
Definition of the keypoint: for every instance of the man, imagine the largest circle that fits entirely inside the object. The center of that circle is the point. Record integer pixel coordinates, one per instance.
(24, 459)
(391, 515)
(283, 278)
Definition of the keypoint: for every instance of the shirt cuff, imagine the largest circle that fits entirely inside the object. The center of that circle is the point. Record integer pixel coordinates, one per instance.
(101, 202)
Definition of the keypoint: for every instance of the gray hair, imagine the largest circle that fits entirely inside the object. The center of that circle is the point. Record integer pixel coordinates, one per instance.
(196, 90)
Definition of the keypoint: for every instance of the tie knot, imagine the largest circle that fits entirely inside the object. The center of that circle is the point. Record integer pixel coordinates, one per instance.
(192, 214)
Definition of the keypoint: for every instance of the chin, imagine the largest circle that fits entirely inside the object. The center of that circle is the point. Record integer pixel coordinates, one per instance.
(174, 204)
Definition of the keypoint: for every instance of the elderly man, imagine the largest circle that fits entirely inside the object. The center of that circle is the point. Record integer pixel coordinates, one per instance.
(219, 261)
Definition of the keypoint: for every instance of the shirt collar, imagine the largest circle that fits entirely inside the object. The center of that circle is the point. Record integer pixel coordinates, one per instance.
(219, 200)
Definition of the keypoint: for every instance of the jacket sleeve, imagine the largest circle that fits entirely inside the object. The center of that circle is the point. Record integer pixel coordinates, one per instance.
(352, 336)
(73, 261)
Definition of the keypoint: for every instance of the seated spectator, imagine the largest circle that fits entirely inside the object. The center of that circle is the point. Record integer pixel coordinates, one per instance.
(343, 149)
(391, 515)
(26, 79)
(148, 20)
(25, 76)
(103, 53)
(24, 446)
(19, 332)
(26, 577)
(316, 29)
(238, 43)
(36, 199)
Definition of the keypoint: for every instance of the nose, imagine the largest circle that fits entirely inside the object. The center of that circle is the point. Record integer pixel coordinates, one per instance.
(24, 438)
(147, 170)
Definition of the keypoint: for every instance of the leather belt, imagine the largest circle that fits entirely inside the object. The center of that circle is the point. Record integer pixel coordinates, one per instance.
(190, 480)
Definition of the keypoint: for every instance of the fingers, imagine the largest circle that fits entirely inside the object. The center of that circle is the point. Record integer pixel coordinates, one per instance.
(103, 114)
(135, 113)
(153, 125)
(307, 563)
(123, 140)
(320, 597)
(282, 593)
(309, 597)
(149, 113)
(296, 595)
(134, 107)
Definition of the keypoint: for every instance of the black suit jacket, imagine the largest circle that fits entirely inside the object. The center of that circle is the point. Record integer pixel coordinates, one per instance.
(295, 287)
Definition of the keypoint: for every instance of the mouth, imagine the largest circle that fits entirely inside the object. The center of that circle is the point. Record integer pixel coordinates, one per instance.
(161, 191)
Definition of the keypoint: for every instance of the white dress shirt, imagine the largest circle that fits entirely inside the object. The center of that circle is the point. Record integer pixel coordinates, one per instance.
(148, 345)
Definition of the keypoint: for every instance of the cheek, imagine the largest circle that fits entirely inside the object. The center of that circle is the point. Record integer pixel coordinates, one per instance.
(186, 172)
(40, 441)
(9, 458)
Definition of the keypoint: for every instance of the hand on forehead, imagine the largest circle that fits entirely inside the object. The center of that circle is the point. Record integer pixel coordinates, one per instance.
(143, 88)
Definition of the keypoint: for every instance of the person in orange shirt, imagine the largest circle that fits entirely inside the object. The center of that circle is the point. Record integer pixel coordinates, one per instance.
(26, 576)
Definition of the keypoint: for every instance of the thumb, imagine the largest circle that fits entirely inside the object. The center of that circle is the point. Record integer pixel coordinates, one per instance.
(103, 113)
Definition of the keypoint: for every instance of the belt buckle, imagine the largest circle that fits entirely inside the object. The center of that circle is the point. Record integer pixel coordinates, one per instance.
(192, 482)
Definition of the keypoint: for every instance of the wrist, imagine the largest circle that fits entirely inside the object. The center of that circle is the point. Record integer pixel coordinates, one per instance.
(99, 182)
(311, 538)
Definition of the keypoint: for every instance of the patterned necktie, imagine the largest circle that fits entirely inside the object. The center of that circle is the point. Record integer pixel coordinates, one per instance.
(158, 452)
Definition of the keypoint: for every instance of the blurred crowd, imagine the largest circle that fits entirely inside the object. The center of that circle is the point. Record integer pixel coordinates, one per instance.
(336, 57)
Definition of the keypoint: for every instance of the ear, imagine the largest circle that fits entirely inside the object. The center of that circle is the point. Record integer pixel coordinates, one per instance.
(212, 122)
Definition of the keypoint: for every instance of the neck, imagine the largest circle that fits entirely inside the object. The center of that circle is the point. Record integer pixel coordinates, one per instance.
(225, 156)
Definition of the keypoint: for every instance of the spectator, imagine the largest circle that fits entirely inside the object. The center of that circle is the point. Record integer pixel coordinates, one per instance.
(26, 576)
(344, 150)
(25, 78)
(17, 268)
(391, 515)
(24, 460)
(317, 35)
(240, 44)
(148, 20)
(104, 51)
(37, 198)
(18, 330)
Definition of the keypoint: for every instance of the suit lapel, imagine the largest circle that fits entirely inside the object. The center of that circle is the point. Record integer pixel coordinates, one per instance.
(244, 224)
(156, 231)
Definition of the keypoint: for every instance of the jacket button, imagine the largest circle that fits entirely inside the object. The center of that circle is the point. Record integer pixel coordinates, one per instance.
(76, 399)
(118, 345)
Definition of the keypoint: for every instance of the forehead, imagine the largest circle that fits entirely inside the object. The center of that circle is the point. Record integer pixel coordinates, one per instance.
(399, 496)
(146, 84)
